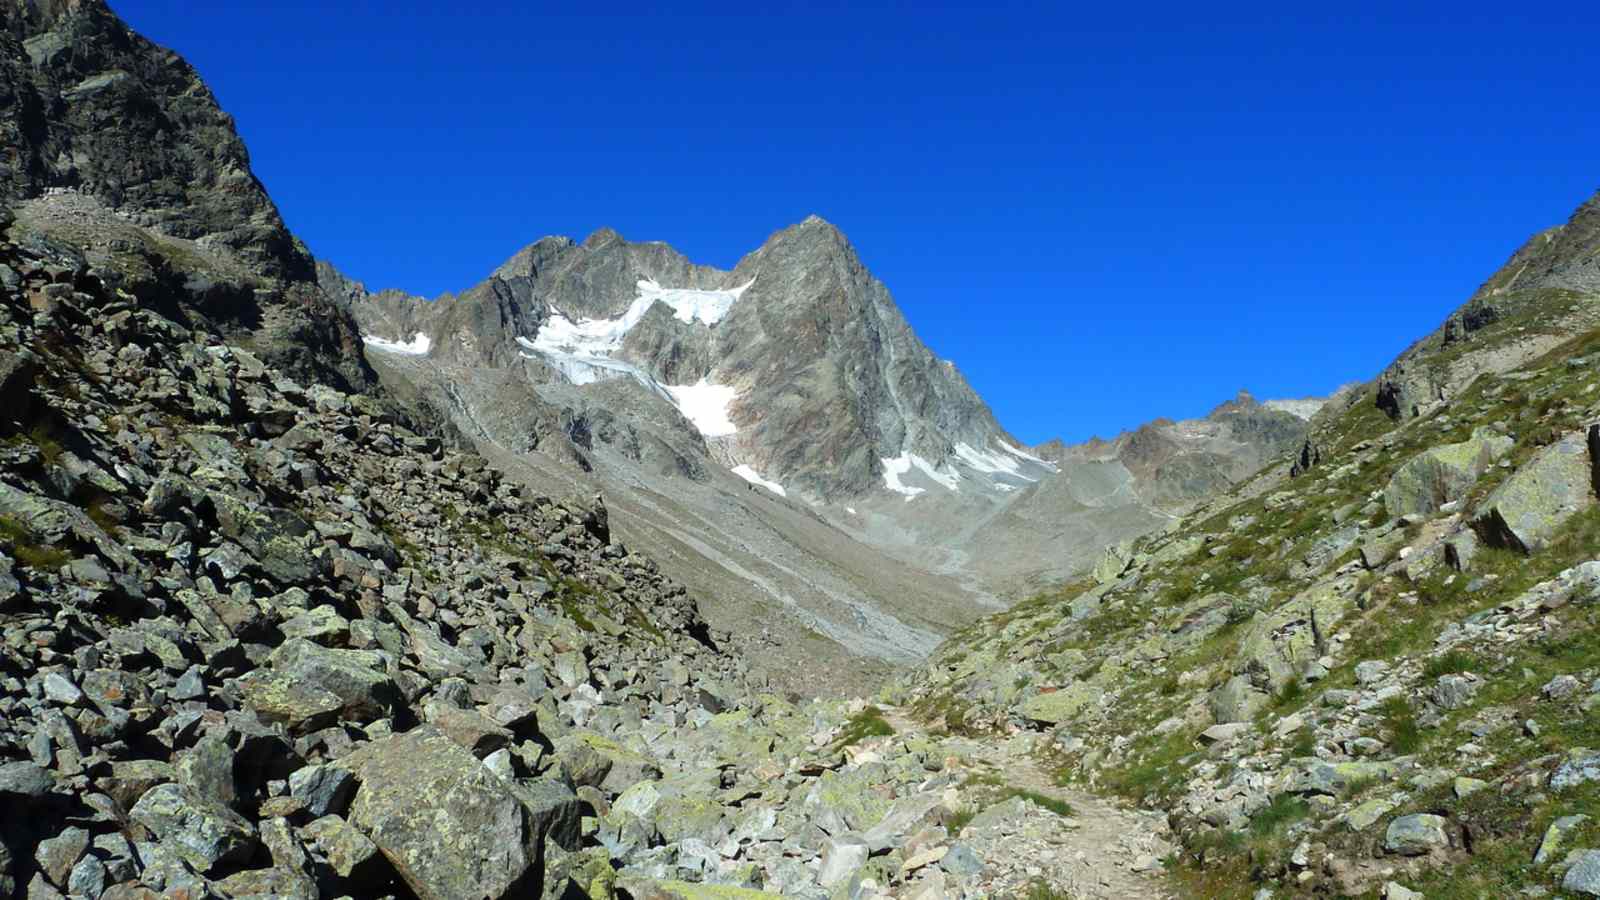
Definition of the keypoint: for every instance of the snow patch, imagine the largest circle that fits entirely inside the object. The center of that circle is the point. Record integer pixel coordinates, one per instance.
(892, 470)
(752, 476)
(1019, 452)
(688, 305)
(895, 467)
(706, 405)
(602, 337)
(419, 344)
(991, 463)
(850, 509)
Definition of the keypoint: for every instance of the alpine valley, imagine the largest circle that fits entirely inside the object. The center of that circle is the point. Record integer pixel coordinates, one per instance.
(619, 576)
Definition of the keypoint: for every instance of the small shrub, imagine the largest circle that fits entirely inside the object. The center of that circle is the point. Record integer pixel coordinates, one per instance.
(1289, 694)
(1283, 810)
(1401, 722)
(868, 723)
(960, 819)
(1449, 663)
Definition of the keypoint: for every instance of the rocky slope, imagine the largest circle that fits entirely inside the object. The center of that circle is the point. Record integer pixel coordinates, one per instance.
(1107, 493)
(1372, 675)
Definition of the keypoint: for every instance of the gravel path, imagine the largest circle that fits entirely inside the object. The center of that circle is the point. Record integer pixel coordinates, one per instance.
(1103, 850)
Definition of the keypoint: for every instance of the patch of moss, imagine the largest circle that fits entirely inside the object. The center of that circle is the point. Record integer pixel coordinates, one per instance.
(21, 544)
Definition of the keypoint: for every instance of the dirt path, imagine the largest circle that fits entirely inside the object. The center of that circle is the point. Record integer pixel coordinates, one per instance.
(1102, 851)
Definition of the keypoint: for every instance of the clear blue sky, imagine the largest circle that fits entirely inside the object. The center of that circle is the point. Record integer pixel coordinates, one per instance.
(1103, 213)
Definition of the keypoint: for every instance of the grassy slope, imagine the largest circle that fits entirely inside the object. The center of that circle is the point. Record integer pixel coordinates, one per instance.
(1231, 569)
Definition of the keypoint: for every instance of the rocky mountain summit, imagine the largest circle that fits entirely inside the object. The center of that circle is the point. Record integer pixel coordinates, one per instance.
(620, 365)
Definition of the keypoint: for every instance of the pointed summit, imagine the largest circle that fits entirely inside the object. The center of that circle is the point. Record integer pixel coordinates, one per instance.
(601, 237)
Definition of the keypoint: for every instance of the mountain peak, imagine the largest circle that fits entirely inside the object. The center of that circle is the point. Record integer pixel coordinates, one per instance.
(601, 237)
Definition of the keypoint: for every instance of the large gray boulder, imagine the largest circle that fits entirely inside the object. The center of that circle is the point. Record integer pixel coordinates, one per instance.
(359, 678)
(1584, 876)
(204, 832)
(452, 828)
(1437, 476)
(1532, 505)
(1416, 835)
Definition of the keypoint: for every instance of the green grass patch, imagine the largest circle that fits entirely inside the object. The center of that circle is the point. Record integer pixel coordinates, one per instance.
(21, 544)
(1043, 801)
(1405, 736)
(869, 723)
(1451, 662)
(1284, 810)
(1043, 890)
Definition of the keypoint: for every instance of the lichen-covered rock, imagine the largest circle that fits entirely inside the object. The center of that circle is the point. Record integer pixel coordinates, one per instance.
(1555, 837)
(1529, 508)
(652, 889)
(1417, 834)
(204, 832)
(1058, 706)
(1435, 477)
(451, 828)
(1315, 776)
(359, 678)
(1584, 876)
(1581, 765)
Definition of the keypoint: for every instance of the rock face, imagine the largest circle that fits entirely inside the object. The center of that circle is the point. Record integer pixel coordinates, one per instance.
(823, 378)
(117, 158)
(90, 105)
(1538, 498)
(1551, 269)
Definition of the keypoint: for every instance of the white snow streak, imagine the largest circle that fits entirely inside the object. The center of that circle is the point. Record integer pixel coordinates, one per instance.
(991, 463)
(1018, 451)
(950, 480)
(894, 468)
(750, 475)
(602, 337)
(417, 346)
(706, 405)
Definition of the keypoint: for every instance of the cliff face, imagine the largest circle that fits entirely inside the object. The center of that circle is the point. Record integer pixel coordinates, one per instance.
(87, 104)
(116, 158)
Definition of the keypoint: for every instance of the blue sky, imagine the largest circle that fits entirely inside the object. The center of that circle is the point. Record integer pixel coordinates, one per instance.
(1103, 215)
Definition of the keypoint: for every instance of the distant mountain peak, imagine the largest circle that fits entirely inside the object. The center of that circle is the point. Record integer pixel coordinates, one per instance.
(601, 237)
